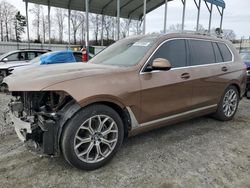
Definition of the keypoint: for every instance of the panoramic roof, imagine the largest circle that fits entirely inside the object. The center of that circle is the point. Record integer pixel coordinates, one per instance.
(129, 8)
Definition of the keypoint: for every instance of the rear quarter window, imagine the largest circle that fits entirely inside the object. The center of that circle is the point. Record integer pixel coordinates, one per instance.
(217, 53)
(226, 54)
(201, 52)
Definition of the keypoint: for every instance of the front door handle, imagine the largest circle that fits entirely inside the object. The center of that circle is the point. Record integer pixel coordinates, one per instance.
(185, 76)
(224, 69)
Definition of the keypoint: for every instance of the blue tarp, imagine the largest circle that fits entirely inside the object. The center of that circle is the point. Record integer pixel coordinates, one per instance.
(219, 3)
(58, 57)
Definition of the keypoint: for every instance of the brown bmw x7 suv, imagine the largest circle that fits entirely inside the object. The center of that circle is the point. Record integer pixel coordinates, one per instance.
(140, 83)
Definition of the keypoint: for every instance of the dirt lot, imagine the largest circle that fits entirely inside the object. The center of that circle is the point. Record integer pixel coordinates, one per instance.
(199, 153)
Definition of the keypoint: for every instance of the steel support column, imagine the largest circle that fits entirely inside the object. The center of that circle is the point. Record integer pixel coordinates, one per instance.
(198, 5)
(144, 16)
(87, 27)
(210, 18)
(221, 19)
(27, 21)
(118, 20)
(183, 14)
(69, 14)
(129, 22)
(49, 23)
(165, 16)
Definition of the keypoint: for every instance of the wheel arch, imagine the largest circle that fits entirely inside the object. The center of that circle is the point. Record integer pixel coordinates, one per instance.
(72, 107)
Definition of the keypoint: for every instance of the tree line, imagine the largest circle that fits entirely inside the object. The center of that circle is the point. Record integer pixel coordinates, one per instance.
(12, 23)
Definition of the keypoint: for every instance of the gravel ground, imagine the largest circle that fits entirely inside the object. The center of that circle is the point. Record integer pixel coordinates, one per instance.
(199, 153)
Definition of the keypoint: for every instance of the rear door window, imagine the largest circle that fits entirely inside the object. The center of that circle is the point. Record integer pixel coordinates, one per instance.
(217, 53)
(174, 51)
(201, 52)
(30, 55)
(226, 54)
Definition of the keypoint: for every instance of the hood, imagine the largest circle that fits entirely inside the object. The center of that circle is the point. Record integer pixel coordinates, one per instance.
(247, 64)
(39, 77)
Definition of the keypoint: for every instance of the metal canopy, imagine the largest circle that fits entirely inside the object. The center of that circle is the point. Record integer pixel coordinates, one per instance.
(131, 9)
(219, 3)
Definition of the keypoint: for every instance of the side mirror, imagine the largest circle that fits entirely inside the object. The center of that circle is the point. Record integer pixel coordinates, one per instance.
(5, 59)
(160, 64)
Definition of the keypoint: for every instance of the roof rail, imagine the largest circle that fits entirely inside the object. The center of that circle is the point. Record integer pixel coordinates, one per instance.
(204, 33)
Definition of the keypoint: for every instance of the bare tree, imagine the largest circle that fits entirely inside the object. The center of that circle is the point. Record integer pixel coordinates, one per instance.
(36, 11)
(45, 24)
(82, 33)
(96, 21)
(124, 26)
(107, 25)
(8, 15)
(176, 27)
(76, 20)
(200, 29)
(1, 20)
(228, 34)
(135, 26)
(59, 19)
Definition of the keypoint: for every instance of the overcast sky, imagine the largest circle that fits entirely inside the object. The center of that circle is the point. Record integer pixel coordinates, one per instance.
(236, 17)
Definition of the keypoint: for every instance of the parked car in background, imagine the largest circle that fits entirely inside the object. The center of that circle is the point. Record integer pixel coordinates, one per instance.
(84, 110)
(17, 58)
(246, 58)
(55, 57)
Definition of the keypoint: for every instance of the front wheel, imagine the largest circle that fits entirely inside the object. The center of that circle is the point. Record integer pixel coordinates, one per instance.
(228, 104)
(92, 137)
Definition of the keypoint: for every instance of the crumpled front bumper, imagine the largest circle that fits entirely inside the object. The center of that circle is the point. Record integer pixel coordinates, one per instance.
(21, 127)
(41, 134)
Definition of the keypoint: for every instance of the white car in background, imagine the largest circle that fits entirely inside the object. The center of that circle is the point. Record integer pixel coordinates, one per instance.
(17, 58)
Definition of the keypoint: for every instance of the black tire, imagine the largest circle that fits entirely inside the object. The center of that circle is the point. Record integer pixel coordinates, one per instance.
(73, 126)
(220, 113)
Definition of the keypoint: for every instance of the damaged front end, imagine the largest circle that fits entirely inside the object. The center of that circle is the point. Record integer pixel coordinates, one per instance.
(38, 118)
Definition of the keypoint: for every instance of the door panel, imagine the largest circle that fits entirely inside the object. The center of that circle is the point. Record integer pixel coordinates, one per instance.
(164, 93)
(208, 72)
(209, 83)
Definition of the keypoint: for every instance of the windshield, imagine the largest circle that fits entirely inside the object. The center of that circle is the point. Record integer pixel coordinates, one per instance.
(126, 52)
(246, 56)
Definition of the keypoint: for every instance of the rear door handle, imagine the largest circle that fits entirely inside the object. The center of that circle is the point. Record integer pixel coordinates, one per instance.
(185, 76)
(224, 69)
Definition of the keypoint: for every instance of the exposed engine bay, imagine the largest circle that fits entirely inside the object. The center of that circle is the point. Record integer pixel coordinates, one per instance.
(37, 117)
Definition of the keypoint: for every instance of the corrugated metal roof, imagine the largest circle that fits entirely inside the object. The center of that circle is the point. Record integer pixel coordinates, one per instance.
(219, 3)
(129, 8)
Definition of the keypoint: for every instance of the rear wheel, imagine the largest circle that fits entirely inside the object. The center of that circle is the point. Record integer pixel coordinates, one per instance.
(92, 137)
(228, 104)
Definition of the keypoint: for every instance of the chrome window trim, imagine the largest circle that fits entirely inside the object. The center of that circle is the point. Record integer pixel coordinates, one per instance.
(145, 64)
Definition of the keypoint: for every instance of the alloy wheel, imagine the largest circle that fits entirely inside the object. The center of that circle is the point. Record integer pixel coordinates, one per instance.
(96, 138)
(230, 102)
